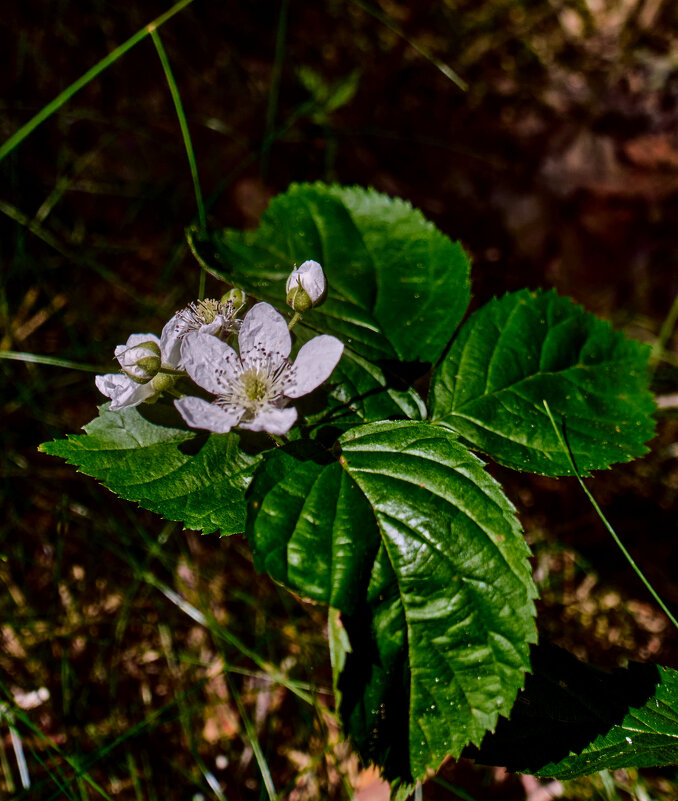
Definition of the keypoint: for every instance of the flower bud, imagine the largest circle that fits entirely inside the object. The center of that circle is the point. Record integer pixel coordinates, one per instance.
(236, 297)
(162, 382)
(306, 287)
(140, 362)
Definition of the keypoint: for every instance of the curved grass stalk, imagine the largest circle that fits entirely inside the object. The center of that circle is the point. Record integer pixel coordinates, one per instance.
(63, 97)
(664, 335)
(253, 739)
(183, 124)
(446, 70)
(607, 525)
(52, 361)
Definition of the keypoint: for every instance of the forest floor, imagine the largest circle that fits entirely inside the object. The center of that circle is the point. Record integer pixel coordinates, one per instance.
(142, 661)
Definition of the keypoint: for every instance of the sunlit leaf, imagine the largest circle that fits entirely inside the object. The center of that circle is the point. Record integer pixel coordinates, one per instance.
(398, 287)
(401, 534)
(527, 347)
(192, 477)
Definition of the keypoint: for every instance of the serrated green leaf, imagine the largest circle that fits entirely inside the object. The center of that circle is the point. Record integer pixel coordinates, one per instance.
(398, 287)
(646, 737)
(527, 347)
(193, 478)
(573, 719)
(417, 546)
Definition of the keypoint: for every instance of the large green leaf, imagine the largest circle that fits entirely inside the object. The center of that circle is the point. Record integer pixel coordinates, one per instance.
(527, 347)
(573, 719)
(197, 479)
(398, 287)
(410, 538)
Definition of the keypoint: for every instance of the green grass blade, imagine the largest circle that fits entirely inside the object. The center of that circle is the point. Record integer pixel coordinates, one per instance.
(52, 361)
(6, 770)
(664, 334)
(47, 111)
(183, 124)
(274, 91)
(447, 71)
(223, 634)
(605, 522)
(254, 741)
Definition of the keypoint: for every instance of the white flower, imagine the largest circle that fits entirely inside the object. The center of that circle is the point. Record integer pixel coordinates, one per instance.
(253, 388)
(124, 390)
(306, 286)
(209, 316)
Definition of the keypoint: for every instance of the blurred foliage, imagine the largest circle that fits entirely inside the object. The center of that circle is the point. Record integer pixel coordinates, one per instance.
(172, 669)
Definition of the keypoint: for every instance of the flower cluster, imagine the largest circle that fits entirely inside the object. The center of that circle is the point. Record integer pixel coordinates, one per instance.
(251, 387)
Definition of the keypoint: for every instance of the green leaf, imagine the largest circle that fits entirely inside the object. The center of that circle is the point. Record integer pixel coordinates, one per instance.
(193, 478)
(573, 719)
(410, 538)
(328, 97)
(397, 287)
(360, 393)
(527, 347)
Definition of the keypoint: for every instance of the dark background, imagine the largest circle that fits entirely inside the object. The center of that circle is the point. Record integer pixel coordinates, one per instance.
(556, 167)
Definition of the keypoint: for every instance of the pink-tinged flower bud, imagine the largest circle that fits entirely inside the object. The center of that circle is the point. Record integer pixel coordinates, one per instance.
(306, 287)
(141, 361)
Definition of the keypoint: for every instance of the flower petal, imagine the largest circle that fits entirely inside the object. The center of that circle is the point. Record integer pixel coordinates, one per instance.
(264, 328)
(274, 421)
(215, 327)
(198, 413)
(210, 362)
(137, 339)
(314, 364)
(123, 392)
(170, 341)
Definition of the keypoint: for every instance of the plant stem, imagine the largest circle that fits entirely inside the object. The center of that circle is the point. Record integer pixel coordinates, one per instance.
(664, 333)
(446, 70)
(274, 91)
(52, 361)
(183, 124)
(47, 111)
(607, 525)
(294, 321)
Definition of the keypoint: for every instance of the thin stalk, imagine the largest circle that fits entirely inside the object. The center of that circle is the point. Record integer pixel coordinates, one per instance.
(52, 361)
(600, 514)
(18, 136)
(134, 776)
(454, 790)
(274, 92)
(664, 333)
(183, 124)
(6, 770)
(224, 634)
(171, 371)
(447, 71)
(201, 283)
(251, 734)
(293, 321)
